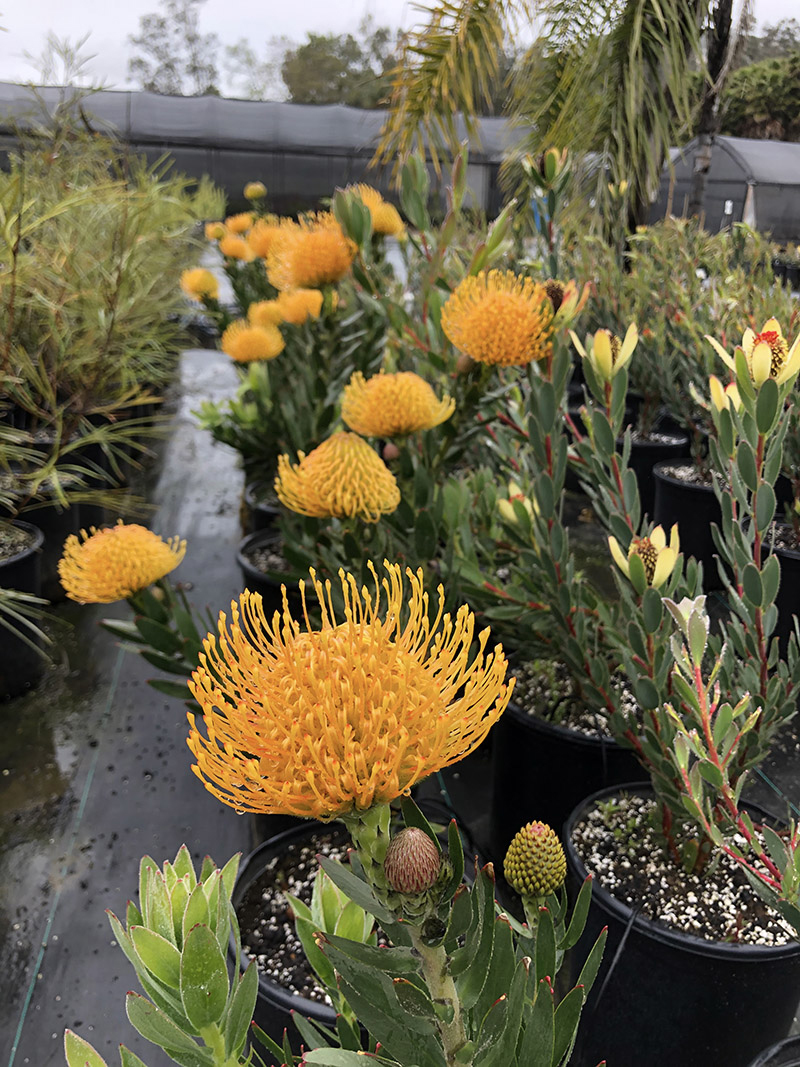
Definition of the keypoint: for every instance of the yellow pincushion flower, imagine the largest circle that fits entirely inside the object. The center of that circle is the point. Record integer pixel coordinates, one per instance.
(499, 318)
(198, 283)
(298, 305)
(265, 313)
(115, 563)
(658, 558)
(246, 344)
(235, 247)
(239, 223)
(392, 405)
(768, 354)
(255, 191)
(215, 230)
(323, 723)
(310, 253)
(262, 236)
(342, 478)
(385, 216)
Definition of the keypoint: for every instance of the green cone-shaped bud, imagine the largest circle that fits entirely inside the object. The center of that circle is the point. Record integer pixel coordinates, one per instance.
(412, 861)
(535, 864)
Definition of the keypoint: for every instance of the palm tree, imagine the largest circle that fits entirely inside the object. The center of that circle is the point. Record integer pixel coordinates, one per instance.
(612, 76)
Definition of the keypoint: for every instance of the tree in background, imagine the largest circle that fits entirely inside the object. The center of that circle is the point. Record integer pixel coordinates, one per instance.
(776, 41)
(341, 69)
(763, 100)
(174, 57)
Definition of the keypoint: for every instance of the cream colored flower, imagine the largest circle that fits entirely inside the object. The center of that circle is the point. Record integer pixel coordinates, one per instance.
(724, 396)
(768, 354)
(658, 558)
(606, 353)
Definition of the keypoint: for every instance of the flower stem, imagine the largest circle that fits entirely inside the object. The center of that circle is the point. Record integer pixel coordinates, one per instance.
(443, 991)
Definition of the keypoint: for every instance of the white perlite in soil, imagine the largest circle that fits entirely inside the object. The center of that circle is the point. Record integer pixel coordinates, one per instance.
(546, 690)
(620, 845)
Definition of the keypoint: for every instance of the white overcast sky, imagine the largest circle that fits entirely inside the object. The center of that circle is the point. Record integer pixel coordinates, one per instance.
(111, 21)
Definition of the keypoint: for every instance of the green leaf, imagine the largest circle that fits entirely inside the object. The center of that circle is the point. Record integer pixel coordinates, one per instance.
(751, 583)
(566, 1020)
(177, 690)
(203, 978)
(179, 898)
(164, 663)
(413, 1000)
(646, 693)
(652, 610)
(722, 723)
(159, 956)
(156, 1027)
(355, 889)
(156, 906)
(129, 1059)
(456, 855)
(395, 961)
(412, 816)
(536, 1047)
(579, 914)
(767, 404)
(240, 1012)
(545, 956)
(711, 773)
(765, 506)
(196, 913)
(160, 637)
(340, 1057)
(603, 434)
(79, 1053)
(770, 580)
(592, 965)
(746, 463)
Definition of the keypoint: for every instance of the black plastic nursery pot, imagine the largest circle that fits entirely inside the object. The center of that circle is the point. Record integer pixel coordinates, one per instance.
(694, 507)
(665, 997)
(275, 1004)
(541, 770)
(256, 580)
(645, 454)
(20, 665)
(784, 1054)
(261, 514)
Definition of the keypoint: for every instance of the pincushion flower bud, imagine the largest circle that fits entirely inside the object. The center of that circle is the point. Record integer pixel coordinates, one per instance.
(255, 191)
(535, 864)
(606, 353)
(390, 452)
(413, 861)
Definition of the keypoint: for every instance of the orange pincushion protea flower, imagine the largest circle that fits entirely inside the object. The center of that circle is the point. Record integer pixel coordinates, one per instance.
(298, 305)
(235, 247)
(497, 317)
(321, 723)
(239, 223)
(392, 405)
(115, 563)
(385, 216)
(310, 253)
(264, 313)
(199, 282)
(247, 344)
(215, 230)
(342, 478)
(262, 236)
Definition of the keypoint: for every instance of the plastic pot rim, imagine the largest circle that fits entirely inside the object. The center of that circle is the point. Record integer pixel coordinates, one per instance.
(30, 549)
(624, 913)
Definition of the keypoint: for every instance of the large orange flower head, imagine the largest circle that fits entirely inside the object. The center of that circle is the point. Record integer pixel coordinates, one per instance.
(322, 723)
(385, 217)
(264, 313)
(298, 305)
(248, 344)
(198, 283)
(342, 478)
(392, 405)
(263, 234)
(235, 247)
(103, 566)
(497, 317)
(239, 223)
(310, 253)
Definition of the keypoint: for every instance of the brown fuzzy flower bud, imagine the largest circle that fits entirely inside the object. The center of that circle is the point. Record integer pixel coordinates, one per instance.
(390, 451)
(464, 363)
(535, 864)
(555, 292)
(412, 861)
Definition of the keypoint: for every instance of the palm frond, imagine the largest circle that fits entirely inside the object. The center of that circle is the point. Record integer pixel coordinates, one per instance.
(446, 66)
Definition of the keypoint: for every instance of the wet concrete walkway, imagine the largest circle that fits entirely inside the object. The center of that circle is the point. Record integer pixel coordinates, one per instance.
(95, 772)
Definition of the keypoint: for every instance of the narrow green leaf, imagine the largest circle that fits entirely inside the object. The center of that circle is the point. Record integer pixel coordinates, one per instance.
(566, 1020)
(592, 964)
(770, 580)
(765, 506)
(129, 1059)
(746, 464)
(536, 1047)
(79, 1053)
(156, 1027)
(545, 956)
(355, 889)
(767, 403)
(412, 816)
(711, 773)
(196, 912)
(413, 1000)
(579, 914)
(240, 1012)
(751, 583)
(652, 610)
(159, 956)
(203, 978)
(160, 637)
